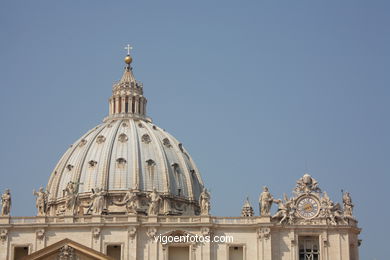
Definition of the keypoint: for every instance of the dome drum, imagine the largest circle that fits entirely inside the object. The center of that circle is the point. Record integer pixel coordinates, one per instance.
(170, 206)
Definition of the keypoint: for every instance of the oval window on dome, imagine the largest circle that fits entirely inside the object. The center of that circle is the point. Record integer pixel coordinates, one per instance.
(123, 138)
(145, 138)
(100, 139)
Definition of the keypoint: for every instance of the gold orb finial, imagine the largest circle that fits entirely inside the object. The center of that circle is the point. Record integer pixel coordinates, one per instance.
(128, 59)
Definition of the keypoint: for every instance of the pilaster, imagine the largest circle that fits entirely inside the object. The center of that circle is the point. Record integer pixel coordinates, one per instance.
(293, 239)
(96, 239)
(264, 243)
(40, 239)
(324, 244)
(206, 246)
(4, 243)
(152, 244)
(132, 243)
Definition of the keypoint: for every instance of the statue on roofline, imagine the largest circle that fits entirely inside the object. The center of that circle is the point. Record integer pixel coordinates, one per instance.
(265, 202)
(41, 201)
(6, 203)
(204, 203)
(154, 206)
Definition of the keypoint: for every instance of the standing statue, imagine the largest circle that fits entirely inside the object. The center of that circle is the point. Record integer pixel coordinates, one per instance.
(265, 202)
(154, 206)
(130, 200)
(41, 201)
(6, 203)
(97, 201)
(71, 197)
(204, 203)
(348, 206)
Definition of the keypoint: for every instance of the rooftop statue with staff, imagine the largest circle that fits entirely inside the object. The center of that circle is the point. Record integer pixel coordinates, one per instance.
(41, 201)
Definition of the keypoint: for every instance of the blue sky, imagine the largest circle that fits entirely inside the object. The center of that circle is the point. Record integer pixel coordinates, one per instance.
(258, 92)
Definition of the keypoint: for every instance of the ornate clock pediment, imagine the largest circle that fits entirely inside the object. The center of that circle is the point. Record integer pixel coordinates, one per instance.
(309, 205)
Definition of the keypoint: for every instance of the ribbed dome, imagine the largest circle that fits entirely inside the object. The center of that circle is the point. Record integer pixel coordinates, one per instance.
(127, 152)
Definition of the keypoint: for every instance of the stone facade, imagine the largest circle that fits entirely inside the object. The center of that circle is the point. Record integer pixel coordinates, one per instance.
(307, 217)
(260, 237)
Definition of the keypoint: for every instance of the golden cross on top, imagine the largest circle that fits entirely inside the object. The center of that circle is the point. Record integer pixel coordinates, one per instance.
(128, 48)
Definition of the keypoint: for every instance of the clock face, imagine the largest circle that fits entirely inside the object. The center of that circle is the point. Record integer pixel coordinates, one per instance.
(308, 207)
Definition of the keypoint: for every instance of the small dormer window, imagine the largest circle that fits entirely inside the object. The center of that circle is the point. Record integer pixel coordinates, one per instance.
(82, 142)
(175, 167)
(121, 162)
(69, 167)
(167, 143)
(111, 123)
(181, 147)
(145, 139)
(92, 163)
(150, 168)
(150, 162)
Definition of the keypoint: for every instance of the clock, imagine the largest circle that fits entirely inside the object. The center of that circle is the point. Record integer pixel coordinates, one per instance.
(308, 207)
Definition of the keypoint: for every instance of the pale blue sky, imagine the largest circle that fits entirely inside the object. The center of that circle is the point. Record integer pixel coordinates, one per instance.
(252, 88)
